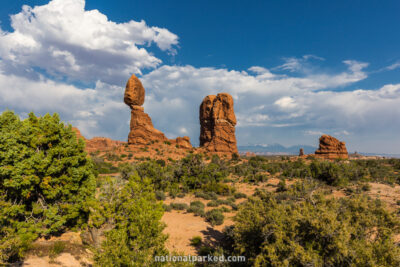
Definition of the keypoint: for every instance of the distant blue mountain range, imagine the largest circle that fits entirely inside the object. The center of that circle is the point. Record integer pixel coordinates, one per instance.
(278, 149)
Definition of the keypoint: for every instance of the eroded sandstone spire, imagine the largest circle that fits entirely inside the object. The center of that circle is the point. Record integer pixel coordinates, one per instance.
(142, 131)
(217, 121)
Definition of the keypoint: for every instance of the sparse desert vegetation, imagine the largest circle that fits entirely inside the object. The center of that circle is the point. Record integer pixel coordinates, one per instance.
(273, 210)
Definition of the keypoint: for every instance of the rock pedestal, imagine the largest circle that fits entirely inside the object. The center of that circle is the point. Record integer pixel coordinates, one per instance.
(331, 148)
(142, 131)
(217, 121)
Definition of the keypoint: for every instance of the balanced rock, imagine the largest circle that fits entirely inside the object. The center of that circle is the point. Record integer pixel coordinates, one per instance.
(217, 121)
(301, 153)
(142, 130)
(134, 92)
(331, 148)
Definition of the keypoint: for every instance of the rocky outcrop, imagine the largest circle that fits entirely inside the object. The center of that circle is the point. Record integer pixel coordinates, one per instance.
(183, 142)
(301, 152)
(217, 124)
(102, 144)
(331, 148)
(134, 92)
(142, 131)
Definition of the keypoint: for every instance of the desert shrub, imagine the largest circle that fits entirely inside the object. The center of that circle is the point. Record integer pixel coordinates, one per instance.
(181, 195)
(225, 209)
(46, 179)
(196, 241)
(239, 195)
(113, 157)
(366, 187)
(134, 214)
(57, 248)
(160, 195)
(126, 170)
(103, 167)
(161, 162)
(197, 208)
(213, 203)
(215, 217)
(179, 206)
(197, 204)
(281, 186)
(301, 227)
(219, 188)
(206, 195)
(234, 206)
(167, 207)
(230, 200)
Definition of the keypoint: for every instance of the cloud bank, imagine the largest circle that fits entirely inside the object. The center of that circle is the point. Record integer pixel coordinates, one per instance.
(63, 58)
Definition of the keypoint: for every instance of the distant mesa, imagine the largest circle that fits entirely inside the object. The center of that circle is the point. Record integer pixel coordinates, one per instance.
(331, 148)
(217, 124)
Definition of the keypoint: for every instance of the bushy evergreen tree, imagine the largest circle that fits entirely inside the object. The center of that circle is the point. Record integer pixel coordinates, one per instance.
(134, 215)
(46, 179)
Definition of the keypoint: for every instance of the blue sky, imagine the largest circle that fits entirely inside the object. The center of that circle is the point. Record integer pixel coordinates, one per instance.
(296, 69)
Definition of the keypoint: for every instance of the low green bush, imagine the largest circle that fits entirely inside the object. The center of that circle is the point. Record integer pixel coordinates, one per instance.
(179, 206)
(160, 195)
(196, 241)
(239, 195)
(215, 217)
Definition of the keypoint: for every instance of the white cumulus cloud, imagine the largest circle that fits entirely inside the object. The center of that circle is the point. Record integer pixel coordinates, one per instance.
(66, 40)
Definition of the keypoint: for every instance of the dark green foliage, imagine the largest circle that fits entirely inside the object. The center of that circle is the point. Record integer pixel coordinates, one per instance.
(167, 207)
(225, 209)
(196, 241)
(197, 204)
(131, 209)
(300, 227)
(46, 179)
(281, 186)
(181, 195)
(161, 162)
(334, 173)
(239, 195)
(197, 208)
(126, 170)
(215, 217)
(206, 195)
(160, 195)
(179, 206)
(103, 167)
(213, 203)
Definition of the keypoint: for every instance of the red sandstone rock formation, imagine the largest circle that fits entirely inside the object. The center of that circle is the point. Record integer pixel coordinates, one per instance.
(134, 92)
(301, 153)
(183, 142)
(142, 131)
(218, 120)
(102, 144)
(78, 133)
(331, 148)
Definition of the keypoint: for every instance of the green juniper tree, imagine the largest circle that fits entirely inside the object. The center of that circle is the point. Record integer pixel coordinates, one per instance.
(46, 179)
